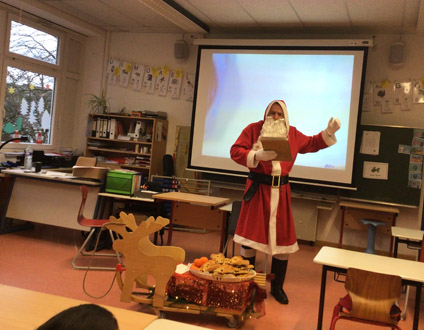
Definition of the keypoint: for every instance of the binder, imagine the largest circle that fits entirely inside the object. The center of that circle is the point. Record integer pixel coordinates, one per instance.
(104, 134)
(93, 127)
(112, 130)
(98, 127)
(137, 129)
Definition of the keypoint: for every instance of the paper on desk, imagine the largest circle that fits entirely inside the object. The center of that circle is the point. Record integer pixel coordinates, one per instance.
(56, 174)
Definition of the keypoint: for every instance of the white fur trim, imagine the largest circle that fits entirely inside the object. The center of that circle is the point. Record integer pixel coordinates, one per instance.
(328, 139)
(281, 256)
(264, 247)
(251, 162)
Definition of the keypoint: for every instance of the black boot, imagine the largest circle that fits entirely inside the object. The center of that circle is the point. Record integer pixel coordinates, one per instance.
(252, 260)
(279, 269)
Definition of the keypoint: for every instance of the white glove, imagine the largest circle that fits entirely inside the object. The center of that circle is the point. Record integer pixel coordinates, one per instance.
(265, 155)
(333, 126)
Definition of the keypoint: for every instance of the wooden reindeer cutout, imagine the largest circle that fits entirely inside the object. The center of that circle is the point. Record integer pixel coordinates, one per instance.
(142, 257)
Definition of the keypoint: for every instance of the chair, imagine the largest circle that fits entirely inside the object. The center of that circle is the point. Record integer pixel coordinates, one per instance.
(373, 296)
(419, 246)
(232, 224)
(94, 224)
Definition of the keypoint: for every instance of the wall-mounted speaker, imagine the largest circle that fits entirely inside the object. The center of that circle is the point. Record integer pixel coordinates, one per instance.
(397, 50)
(181, 49)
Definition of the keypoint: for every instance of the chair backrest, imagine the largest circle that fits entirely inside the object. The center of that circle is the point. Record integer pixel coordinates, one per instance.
(232, 221)
(373, 294)
(81, 209)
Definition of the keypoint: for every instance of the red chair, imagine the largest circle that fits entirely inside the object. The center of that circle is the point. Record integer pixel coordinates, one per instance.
(373, 296)
(93, 224)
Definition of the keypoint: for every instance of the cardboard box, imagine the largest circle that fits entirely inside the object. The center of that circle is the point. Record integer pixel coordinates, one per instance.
(85, 167)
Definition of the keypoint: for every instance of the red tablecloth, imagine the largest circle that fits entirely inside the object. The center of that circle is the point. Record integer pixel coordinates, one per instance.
(234, 296)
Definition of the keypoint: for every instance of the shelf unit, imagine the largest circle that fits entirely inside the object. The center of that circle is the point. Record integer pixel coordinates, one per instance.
(143, 153)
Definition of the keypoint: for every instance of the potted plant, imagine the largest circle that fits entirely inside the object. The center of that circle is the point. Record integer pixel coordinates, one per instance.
(99, 104)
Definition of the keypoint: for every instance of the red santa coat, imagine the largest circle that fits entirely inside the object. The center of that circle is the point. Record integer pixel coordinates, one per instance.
(266, 221)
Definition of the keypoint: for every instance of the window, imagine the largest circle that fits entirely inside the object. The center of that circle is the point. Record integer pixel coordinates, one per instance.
(32, 73)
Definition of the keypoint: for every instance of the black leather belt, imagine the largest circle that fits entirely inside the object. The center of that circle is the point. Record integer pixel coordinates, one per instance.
(258, 178)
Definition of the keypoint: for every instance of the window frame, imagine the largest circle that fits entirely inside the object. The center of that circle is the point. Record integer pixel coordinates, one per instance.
(21, 62)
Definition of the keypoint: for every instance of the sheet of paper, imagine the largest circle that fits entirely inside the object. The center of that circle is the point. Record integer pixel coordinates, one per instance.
(370, 143)
(375, 170)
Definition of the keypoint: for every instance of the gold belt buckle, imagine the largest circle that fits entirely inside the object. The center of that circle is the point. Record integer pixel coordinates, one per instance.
(278, 184)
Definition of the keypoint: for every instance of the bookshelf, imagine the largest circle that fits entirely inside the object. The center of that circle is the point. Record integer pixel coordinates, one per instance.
(125, 141)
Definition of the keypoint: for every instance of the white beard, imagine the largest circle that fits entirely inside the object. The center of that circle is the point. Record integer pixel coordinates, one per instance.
(274, 128)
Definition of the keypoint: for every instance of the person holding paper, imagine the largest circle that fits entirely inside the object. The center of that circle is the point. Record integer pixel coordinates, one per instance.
(266, 222)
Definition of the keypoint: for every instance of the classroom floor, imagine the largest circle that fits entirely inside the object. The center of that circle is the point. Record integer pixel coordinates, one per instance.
(40, 260)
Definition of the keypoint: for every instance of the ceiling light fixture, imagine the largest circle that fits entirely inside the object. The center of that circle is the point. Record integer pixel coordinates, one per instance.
(177, 15)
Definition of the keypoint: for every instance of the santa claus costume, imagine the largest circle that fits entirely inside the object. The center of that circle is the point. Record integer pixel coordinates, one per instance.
(266, 221)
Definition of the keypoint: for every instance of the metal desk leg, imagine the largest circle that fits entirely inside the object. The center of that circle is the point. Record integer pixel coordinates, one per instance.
(224, 225)
(395, 252)
(322, 297)
(417, 305)
(170, 226)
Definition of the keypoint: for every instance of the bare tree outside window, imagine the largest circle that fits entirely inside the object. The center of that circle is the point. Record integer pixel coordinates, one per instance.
(29, 94)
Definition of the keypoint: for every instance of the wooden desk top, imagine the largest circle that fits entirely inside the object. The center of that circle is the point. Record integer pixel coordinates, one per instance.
(133, 198)
(26, 309)
(192, 198)
(341, 258)
(369, 206)
(408, 233)
(52, 176)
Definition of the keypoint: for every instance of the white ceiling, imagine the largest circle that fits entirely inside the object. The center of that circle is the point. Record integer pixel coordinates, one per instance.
(241, 16)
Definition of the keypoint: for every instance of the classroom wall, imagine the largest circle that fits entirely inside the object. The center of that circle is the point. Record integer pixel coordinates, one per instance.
(157, 50)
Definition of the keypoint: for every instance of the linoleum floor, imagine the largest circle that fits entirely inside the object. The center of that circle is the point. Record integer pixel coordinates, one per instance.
(40, 259)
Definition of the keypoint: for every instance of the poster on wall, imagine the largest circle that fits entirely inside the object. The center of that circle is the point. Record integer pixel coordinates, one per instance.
(418, 91)
(162, 80)
(137, 76)
(402, 95)
(175, 80)
(188, 89)
(125, 73)
(112, 71)
(381, 92)
(149, 79)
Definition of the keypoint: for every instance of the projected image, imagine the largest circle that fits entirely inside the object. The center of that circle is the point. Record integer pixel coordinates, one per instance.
(235, 85)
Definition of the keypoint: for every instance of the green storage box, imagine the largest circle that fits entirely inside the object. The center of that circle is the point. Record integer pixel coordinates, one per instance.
(122, 182)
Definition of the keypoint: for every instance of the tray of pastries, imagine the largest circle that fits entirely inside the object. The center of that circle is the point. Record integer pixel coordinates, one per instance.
(220, 268)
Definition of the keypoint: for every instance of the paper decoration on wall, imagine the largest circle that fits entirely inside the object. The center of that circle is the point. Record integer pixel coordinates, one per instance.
(188, 89)
(381, 91)
(367, 102)
(150, 75)
(162, 80)
(402, 95)
(113, 71)
(418, 91)
(174, 87)
(124, 77)
(137, 76)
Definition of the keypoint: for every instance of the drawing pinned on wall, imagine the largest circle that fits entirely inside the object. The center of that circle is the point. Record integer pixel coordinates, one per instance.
(387, 106)
(162, 80)
(188, 89)
(137, 76)
(149, 79)
(381, 92)
(113, 70)
(125, 73)
(175, 82)
(415, 171)
(402, 95)
(418, 91)
(376, 170)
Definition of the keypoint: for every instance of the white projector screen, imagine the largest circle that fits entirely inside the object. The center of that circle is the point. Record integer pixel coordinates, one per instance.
(234, 85)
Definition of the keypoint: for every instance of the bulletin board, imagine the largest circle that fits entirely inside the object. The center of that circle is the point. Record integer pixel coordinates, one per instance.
(395, 189)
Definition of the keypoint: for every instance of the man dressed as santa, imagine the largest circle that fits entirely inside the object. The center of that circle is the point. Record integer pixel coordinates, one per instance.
(266, 220)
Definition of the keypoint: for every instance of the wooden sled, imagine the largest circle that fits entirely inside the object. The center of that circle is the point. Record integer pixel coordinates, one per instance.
(143, 258)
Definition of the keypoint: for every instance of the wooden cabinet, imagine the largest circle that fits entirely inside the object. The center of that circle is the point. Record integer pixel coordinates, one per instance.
(122, 141)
